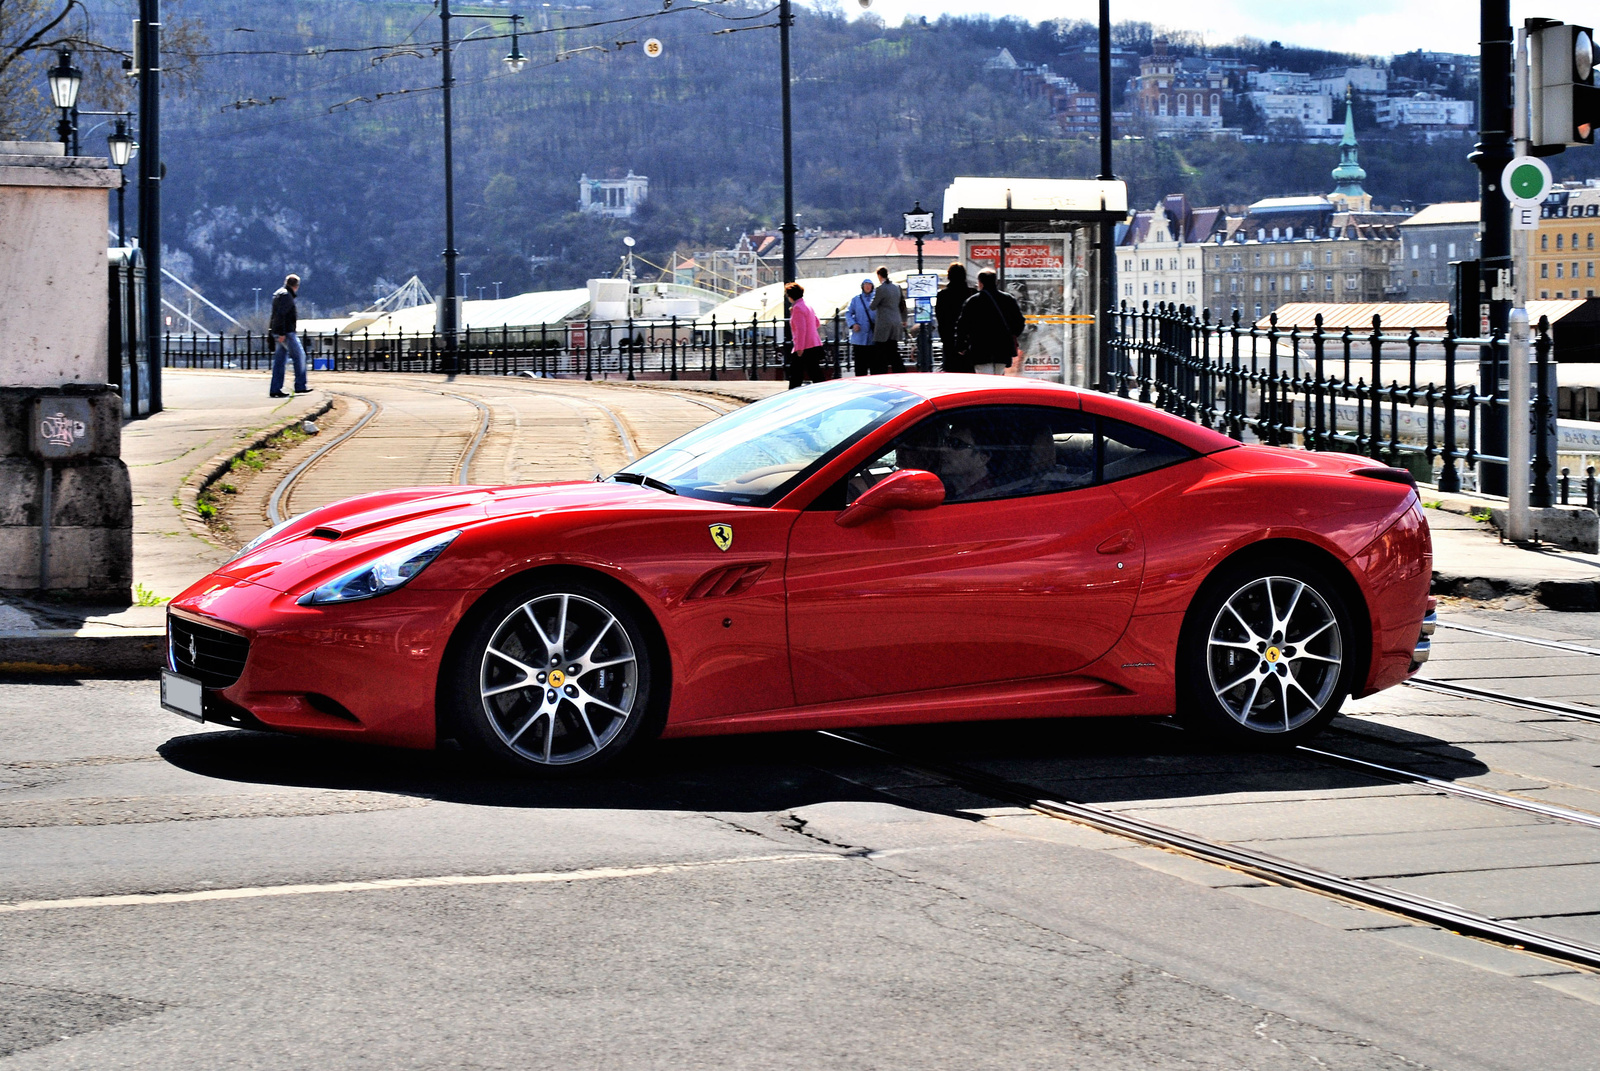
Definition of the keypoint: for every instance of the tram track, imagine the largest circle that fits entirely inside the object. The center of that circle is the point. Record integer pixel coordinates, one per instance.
(1544, 706)
(1263, 865)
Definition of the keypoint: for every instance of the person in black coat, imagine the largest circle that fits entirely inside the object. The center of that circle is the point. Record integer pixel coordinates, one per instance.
(947, 310)
(284, 326)
(987, 330)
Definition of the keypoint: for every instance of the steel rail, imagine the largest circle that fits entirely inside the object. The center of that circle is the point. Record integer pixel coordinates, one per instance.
(280, 493)
(1482, 795)
(622, 432)
(1544, 706)
(1260, 864)
(1560, 645)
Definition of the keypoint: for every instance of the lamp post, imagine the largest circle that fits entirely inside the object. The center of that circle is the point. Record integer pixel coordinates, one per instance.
(515, 61)
(257, 289)
(919, 224)
(148, 64)
(65, 81)
(122, 147)
(496, 285)
(1107, 283)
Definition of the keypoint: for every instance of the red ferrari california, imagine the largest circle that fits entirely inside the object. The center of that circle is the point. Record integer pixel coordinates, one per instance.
(873, 551)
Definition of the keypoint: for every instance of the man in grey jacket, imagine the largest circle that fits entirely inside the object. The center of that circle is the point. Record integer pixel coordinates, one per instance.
(284, 327)
(889, 306)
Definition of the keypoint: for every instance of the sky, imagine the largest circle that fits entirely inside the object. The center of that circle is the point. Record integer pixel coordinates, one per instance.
(1382, 27)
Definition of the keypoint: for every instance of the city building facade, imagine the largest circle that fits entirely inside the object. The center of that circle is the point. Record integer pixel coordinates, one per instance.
(1179, 94)
(618, 197)
(1160, 252)
(1432, 240)
(1562, 252)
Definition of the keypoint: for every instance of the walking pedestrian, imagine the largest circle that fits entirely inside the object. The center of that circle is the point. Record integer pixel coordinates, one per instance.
(805, 338)
(947, 310)
(860, 319)
(284, 326)
(889, 306)
(987, 331)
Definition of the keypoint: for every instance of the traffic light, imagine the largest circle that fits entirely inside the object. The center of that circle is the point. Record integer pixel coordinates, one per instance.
(1563, 99)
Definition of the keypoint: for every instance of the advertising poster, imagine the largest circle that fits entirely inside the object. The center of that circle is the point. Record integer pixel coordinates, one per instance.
(1036, 276)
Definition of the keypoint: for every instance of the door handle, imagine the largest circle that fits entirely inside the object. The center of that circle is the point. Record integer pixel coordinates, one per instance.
(1117, 544)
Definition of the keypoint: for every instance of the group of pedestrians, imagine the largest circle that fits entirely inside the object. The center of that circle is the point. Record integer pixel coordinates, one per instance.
(980, 327)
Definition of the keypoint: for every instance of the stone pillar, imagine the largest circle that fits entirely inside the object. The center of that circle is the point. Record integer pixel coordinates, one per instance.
(53, 360)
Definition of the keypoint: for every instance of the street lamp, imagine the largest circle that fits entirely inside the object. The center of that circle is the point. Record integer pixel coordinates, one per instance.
(65, 81)
(122, 147)
(515, 61)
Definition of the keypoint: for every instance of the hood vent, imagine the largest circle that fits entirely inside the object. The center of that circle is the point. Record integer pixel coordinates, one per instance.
(326, 533)
(728, 580)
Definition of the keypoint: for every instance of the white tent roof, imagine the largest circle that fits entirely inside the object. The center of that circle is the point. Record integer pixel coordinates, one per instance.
(522, 310)
(827, 297)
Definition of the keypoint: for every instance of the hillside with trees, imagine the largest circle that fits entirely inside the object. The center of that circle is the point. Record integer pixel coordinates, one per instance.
(308, 137)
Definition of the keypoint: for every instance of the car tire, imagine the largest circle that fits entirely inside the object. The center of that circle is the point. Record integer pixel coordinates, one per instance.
(1267, 654)
(553, 679)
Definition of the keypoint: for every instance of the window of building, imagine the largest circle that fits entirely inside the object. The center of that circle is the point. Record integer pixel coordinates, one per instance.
(1236, 262)
(1146, 289)
(1574, 239)
(1327, 256)
(1558, 270)
(1258, 284)
(1416, 252)
(1289, 233)
(1544, 271)
(1327, 282)
(1127, 265)
(1452, 253)
(1351, 282)
(1233, 286)
(1216, 103)
(1590, 243)
(1189, 287)
(1144, 265)
(1127, 289)
(1272, 285)
(1258, 310)
(1433, 250)
(1352, 256)
(1216, 287)
(1433, 276)
(1574, 269)
(1589, 269)
(1191, 263)
(1544, 294)
(1544, 241)
(1305, 283)
(1559, 239)
(1161, 264)
(1272, 259)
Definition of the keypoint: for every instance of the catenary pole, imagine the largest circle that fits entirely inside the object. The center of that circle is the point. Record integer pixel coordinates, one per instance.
(1107, 285)
(447, 314)
(785, 20)
(150, 187)
(1492, 153)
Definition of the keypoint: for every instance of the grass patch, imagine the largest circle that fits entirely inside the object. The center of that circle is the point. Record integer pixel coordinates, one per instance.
(143, 596)
(1480, 513)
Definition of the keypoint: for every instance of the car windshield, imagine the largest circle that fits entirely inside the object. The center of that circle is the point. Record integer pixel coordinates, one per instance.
(756, 455)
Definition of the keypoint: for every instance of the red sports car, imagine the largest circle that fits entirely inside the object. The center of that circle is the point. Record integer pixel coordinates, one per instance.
(872, 551)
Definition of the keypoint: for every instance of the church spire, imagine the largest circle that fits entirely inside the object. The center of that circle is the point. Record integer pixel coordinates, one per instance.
(1348, 176)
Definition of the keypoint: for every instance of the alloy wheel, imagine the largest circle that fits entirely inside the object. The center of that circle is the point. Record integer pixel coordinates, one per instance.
(1274, 654)
(559, 679)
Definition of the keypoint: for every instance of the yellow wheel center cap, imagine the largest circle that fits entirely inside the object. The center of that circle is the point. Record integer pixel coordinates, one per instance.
(557, 678)
(1272, 654)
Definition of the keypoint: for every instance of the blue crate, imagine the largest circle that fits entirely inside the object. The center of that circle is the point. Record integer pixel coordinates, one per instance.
(322, 364)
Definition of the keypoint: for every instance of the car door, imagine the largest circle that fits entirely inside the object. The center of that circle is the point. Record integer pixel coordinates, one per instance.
(1030, 569)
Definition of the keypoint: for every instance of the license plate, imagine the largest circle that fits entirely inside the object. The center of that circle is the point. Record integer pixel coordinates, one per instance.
(182, 695)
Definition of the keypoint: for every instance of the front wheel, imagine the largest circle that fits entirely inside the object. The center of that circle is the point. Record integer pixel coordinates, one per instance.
(553, 679)
(1266, 657)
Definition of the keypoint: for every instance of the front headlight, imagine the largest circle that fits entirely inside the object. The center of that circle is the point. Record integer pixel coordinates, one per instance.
(388, 573)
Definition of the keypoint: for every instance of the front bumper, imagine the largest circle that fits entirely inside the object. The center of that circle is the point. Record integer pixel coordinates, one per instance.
(364, 670)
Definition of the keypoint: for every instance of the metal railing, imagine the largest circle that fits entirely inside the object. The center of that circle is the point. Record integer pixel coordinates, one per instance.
(1399, 398)
(588, 349)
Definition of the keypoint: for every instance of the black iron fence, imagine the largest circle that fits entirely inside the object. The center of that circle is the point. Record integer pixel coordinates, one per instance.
(1403, 398)
(589, 349)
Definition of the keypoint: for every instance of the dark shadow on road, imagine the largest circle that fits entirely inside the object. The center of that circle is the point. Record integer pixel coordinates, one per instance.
(1088, 760)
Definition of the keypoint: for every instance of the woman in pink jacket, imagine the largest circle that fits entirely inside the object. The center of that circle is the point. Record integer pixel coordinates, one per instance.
(805, 337)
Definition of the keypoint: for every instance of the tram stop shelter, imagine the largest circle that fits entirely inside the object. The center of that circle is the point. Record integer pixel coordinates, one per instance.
(1043, 238)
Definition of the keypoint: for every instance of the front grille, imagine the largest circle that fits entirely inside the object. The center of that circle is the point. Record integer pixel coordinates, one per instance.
(209, 655)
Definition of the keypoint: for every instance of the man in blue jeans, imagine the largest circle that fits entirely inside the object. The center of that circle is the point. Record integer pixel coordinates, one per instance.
(285, 319)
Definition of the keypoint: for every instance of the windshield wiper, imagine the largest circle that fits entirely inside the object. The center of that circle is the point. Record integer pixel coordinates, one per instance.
(645, 481)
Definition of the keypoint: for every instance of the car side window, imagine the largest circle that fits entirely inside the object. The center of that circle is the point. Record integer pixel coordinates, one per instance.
(1129, 450)
(990, 452)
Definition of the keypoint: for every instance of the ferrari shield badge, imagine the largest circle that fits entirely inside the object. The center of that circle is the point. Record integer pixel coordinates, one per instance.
(722, 536)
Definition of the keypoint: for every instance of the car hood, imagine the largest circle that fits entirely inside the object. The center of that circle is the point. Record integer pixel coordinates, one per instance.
(319, 545)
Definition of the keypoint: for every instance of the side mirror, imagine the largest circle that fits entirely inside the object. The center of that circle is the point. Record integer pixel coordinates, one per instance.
(906, 489)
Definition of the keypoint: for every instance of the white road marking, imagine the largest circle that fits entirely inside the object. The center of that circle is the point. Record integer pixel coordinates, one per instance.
(379, 884)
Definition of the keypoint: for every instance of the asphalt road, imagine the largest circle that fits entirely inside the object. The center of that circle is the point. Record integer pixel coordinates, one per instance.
(173, 897)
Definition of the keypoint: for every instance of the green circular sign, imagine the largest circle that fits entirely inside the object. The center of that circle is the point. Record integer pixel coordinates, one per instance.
(1527, 182)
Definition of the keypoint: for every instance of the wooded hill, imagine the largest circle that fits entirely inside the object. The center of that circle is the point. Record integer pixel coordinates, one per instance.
(312, 140)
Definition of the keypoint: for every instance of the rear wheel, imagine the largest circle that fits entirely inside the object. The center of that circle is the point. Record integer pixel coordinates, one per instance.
(1266, 655)
(554, 679)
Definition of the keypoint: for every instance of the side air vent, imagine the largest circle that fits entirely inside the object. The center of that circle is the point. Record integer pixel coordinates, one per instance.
(728, 580)
(326, 533)
(1386, 472)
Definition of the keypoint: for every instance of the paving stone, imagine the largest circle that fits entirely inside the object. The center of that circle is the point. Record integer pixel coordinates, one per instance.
(1369, 855)
(1516, 892)
(1189, 868)
(1582, 928)
(1583, 986)
(1057, 830)
(1470, 950)
(1325, 910)
(1399, 811)
(1461, 729)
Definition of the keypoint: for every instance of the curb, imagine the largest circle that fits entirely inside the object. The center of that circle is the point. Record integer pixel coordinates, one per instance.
(210, 471)
(98, 652)
(1581, 596)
